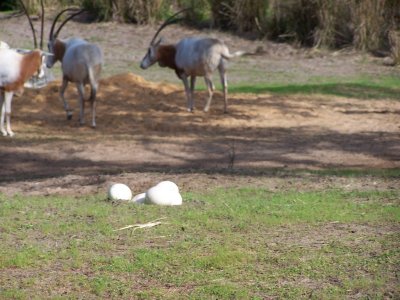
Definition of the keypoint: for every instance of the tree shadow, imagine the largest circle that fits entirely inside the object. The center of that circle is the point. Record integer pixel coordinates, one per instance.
(293, 149)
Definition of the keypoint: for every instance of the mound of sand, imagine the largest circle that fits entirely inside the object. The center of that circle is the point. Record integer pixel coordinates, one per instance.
(129, 81)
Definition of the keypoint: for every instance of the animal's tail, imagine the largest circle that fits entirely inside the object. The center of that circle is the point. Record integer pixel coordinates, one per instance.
(93, 82)
(228, 55)
(92, 78)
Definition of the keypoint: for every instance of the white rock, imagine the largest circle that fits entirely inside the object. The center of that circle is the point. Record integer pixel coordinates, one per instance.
(119, 191)
(164, 193)
(139, 198)
(169, 185)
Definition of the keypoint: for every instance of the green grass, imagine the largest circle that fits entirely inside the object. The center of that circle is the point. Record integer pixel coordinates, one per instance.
(243, 243)
(364, 87)
(386, 87)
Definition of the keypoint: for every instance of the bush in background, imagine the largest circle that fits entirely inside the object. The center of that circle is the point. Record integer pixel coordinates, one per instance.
(199, 15)
(292, 20)
(239, 15)
(368, 25)
(334, 28)
(373, 21)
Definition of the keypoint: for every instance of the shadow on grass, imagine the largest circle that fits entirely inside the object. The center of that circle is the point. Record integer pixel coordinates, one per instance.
(350, 90)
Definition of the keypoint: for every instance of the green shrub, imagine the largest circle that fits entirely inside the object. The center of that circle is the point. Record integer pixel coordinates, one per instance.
(8, 5)
(200, 13)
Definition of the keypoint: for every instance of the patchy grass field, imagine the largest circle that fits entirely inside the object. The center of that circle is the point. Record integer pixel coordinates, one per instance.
(224, 244)
(292, 195)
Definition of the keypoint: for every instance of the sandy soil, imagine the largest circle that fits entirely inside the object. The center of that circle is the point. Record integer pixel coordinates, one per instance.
(144, 133)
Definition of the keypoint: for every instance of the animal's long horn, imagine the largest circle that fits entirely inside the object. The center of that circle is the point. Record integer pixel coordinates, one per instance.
(41, 25)
(30, 23)
(55, 21)
(66, 20)
(169, 21)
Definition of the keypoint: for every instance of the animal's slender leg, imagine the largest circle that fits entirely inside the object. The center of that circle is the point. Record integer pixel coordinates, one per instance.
(66, 106)
(192, 84)
(93, 93)
(224, 82)
(3, 111)
(81, 93)
(187, 90)
(7, 105)
(210, 88)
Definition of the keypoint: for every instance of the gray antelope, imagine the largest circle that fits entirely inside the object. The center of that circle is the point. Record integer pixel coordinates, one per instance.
(191, 57)
(15, 69)
(81, 63)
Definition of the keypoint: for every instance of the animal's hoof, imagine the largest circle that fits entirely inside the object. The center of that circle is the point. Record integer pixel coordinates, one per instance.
(69, 117)
(7, 132)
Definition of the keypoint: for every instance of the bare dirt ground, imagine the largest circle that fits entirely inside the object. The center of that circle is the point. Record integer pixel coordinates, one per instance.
(144, 133)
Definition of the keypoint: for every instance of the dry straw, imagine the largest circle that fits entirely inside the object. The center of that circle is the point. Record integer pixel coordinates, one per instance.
(394, 39)
(364, 24)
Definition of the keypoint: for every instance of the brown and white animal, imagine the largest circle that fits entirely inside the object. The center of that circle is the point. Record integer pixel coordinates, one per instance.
(81, 64)
(192, 57)
(15, 69)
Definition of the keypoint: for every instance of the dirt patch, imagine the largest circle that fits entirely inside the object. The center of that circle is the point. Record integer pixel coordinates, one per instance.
(144, 133)
(143, 129)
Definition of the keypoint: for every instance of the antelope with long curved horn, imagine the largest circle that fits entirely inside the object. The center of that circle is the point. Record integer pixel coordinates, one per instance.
(191, 57)
(15, 69)
(81, 64)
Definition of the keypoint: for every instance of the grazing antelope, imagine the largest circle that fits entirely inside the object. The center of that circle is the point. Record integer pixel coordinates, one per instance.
(81, 63)
(15, 69)
(191, 57)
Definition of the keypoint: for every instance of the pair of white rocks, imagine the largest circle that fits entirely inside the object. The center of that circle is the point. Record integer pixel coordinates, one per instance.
(164, 193)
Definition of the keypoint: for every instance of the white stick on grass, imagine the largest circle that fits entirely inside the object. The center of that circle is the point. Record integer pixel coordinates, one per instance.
(140, 226)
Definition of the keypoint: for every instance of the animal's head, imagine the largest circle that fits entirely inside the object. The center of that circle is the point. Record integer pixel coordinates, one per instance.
(37, 61)
(55, 46)
(151, 56)
(42, 65)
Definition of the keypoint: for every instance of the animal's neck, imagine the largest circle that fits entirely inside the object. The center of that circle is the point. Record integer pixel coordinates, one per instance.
(166, 56)
(59, 50)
